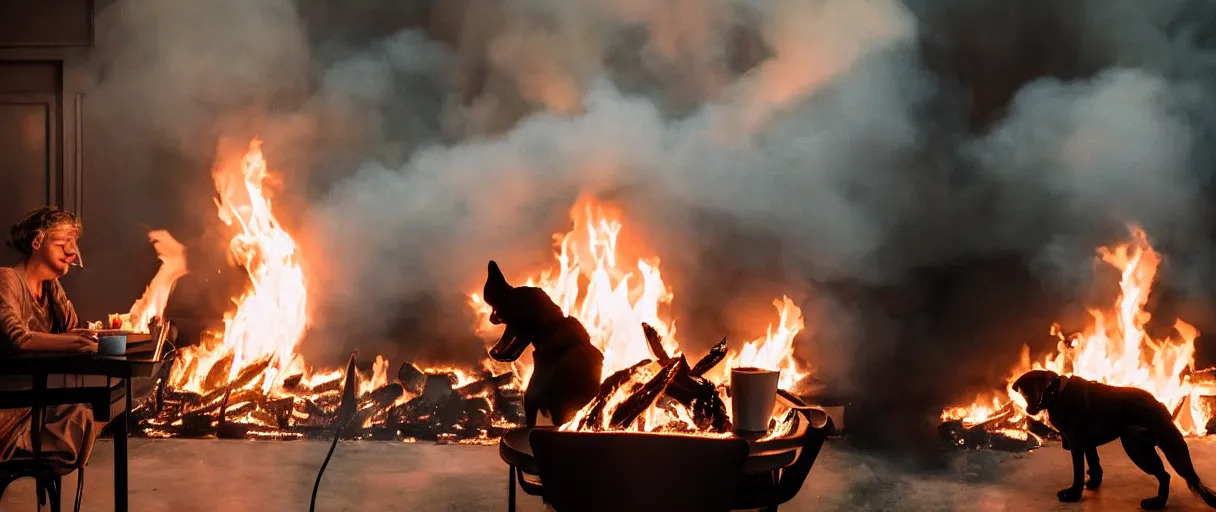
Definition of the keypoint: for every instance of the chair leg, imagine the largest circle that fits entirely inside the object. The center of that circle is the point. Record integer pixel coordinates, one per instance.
(53, 488)
(79, 488)
(510, 488)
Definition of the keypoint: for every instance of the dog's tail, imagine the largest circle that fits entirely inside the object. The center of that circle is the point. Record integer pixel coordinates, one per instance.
(1173, 445)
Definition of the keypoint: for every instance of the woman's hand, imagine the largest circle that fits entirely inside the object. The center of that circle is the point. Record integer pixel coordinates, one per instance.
(80, 342)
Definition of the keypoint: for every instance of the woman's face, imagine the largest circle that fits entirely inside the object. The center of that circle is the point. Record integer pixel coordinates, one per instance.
(57, 248)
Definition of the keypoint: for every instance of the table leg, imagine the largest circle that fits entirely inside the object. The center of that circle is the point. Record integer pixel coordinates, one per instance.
(39, 385)
(511, 489)
(120, 451)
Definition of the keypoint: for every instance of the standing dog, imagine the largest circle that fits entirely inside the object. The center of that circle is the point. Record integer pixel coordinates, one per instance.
(1090, 414)
(566, 366)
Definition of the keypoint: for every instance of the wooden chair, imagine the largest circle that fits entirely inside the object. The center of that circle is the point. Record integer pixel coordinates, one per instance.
(617, 471)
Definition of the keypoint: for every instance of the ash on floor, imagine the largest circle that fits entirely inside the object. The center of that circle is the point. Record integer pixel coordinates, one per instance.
(370, 476)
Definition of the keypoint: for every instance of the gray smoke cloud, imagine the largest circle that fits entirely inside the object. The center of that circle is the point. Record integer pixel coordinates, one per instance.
(896, 166)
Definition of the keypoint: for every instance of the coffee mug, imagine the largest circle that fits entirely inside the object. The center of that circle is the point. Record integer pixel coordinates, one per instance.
(112, 345)
(753, 394)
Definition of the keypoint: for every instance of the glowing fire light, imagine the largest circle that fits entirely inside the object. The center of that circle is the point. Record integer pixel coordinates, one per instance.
(270, 318)
(617, 300)
(1116, 350)
(172, 256)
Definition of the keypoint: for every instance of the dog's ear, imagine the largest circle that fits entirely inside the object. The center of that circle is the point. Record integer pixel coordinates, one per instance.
(496, 287)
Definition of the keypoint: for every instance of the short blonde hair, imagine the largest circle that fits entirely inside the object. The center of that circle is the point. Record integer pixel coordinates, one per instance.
(36, 223)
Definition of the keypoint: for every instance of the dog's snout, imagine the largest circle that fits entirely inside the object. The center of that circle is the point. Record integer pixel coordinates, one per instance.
(494, 318)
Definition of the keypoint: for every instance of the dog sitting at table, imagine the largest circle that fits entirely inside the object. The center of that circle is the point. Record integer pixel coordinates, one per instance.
(1090, 414)
(566, 366)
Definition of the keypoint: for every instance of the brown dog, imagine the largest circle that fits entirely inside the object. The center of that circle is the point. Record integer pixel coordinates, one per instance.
(566, 366)
(1090, 414)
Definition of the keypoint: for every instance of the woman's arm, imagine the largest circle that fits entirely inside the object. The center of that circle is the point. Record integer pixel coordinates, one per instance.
(15, 334)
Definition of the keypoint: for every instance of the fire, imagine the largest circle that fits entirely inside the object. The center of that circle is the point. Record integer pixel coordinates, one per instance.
(262, 334)
(1115, 349)
(269, 319)
(172, 256)
(619, 298)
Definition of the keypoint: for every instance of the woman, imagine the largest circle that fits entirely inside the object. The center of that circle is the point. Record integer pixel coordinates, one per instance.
(36, 316)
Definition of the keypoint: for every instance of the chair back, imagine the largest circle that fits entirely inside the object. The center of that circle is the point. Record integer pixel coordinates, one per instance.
(637, 472)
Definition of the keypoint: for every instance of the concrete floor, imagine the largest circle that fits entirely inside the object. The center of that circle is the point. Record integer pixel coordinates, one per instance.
(235, 476)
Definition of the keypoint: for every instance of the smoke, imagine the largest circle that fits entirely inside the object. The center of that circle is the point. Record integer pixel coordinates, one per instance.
(934, 178)
(931, 177)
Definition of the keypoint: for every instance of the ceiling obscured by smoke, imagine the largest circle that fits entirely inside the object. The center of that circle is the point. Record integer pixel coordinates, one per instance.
(928, 175)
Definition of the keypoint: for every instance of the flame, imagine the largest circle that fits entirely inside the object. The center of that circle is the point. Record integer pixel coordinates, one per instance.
(1115, 348)
(172, 256)
(617, 299)
(269, 319)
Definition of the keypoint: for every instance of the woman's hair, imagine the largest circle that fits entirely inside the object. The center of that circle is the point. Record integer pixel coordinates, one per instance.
(35, 224)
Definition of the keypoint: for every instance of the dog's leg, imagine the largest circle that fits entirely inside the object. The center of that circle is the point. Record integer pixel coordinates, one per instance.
(1073, 494)
(1142, 450)
(1095, 469)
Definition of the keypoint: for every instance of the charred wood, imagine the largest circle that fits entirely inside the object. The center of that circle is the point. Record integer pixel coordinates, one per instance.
(439, 387)
(644, 396)
(608, 388)
(293, 382)
(486, 385)
(375, 403)
(412, 378)
(655, 342)
(711, 360)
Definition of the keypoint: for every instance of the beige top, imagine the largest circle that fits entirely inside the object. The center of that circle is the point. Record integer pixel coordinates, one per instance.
(20, 316)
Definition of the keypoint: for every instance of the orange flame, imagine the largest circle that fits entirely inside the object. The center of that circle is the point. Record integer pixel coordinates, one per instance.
(172, 256)
(270, 318)
(1116, 350)
(617, 300)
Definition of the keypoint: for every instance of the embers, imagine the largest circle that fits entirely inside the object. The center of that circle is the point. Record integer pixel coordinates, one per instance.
(1007, 429)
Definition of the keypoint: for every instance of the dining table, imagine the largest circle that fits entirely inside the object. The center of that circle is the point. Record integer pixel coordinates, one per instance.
(111, 402)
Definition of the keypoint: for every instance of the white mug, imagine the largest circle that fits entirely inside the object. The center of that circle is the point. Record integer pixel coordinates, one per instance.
(753, 394)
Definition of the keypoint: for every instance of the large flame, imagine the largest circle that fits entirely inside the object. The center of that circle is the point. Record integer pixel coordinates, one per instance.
(1115, 349)
(172, 255)
(270, 317)
(618, 298)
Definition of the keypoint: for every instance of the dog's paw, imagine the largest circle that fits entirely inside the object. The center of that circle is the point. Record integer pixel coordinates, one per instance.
(1070, 495)
(1094, 482)
(1154, 503)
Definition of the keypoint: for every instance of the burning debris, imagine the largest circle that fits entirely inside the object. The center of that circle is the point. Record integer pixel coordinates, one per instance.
(435, 405)
(646, 381)
(1115, 349)
(249, 381)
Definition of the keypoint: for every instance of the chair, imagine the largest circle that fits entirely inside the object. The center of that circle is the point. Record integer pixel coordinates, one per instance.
(49, 484)
(766, 491)
(626, 471)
